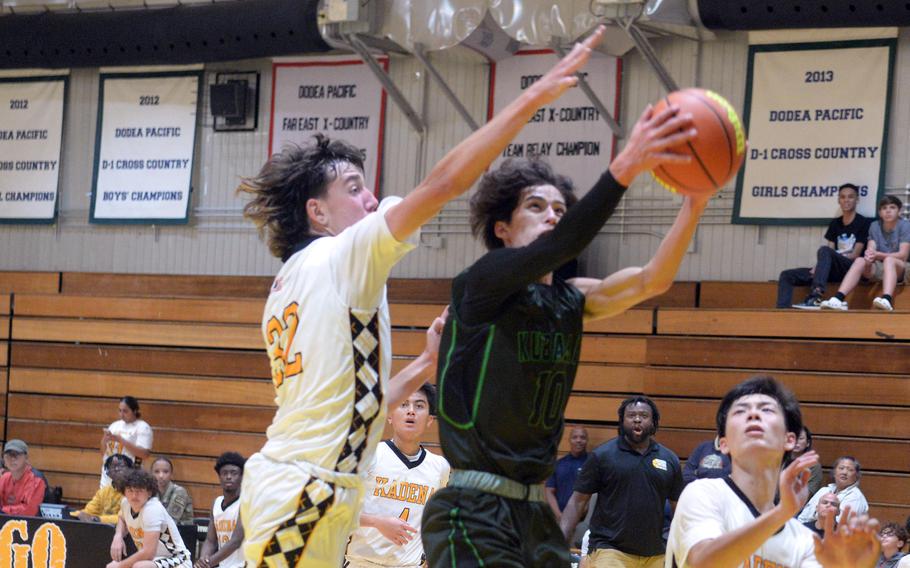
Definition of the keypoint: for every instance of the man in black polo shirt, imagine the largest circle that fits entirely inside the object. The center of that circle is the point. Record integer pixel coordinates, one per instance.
(633, 477)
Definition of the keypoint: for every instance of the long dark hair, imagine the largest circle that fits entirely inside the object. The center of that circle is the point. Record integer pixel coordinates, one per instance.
(284, 184)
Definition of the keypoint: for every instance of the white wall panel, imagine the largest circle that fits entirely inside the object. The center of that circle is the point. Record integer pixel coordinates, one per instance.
(218, 241)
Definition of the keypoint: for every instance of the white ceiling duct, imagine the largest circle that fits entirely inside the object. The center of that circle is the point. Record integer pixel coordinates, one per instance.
(441, 24)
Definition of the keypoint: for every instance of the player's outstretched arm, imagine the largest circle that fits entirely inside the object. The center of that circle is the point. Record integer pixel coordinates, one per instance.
(729, 549)
(461, 167)
(853, 543)
(420, 369)
(650, 144)
(630, 286)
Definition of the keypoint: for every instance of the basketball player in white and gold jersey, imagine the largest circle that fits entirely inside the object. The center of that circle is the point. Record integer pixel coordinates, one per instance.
(222, 542)
(401, 478)
(326, 324)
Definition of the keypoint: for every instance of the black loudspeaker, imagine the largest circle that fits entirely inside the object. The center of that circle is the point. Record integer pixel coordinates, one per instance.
(228, 101)
(234, 101)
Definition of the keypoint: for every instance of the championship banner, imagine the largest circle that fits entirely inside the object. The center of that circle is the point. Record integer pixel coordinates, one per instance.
(337, 96)
(144, 147)
(31, 134)
(817, 117)
(570, 134)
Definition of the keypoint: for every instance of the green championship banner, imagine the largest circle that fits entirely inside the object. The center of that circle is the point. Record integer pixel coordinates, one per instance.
(31, 135)
(816, 116)
(144, 147)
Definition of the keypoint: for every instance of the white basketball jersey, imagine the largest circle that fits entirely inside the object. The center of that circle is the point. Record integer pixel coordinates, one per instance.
(153, 518)
(225, 521)
(397, 487)
(709, 508)
(327, 332)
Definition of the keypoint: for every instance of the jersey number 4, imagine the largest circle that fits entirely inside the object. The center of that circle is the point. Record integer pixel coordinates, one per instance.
(280, 338)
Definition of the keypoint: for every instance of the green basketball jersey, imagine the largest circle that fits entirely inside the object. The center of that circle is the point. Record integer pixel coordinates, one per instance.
(503, 384)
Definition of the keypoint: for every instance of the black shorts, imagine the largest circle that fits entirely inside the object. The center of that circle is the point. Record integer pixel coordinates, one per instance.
(467, 528)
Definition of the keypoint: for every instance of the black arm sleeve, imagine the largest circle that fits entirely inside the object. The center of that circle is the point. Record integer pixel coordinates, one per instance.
(502, 272)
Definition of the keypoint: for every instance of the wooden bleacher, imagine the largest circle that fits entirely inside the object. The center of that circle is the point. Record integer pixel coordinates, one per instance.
(190, 349)
(763, 295)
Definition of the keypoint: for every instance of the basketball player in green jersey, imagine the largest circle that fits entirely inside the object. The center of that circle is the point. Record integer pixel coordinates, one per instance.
(510, 348)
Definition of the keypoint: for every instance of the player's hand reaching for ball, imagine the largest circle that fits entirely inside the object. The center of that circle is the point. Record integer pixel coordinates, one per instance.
(394, 529)
(853, 544)
(794, 483)
(651, 143)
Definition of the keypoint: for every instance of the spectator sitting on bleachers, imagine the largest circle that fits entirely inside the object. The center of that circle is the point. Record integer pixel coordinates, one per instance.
(129, 436)
(828, 504)
(885, 258)
(706, 461)
(846, 236)
(846, 474)
(105, 505)
(21, 490)
(803, 445)
(893, 537)
(175, 499)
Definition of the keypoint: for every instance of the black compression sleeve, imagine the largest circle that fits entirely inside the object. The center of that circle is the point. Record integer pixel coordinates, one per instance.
(502, 272)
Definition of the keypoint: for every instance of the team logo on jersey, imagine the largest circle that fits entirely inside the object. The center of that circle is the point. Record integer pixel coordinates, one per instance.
(402, 490)
(659, 464)
(277, 284)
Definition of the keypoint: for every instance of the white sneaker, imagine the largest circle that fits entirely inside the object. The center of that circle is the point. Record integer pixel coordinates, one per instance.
(882, 304)
(834, 304)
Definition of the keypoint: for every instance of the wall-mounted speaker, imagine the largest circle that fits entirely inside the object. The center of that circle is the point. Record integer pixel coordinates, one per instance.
(234, 101)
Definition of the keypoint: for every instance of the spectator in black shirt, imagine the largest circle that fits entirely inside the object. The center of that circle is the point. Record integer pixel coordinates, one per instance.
(846, 236)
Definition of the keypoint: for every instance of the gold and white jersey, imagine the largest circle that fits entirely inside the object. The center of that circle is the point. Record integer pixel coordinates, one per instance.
(327, 331)
(397, 487)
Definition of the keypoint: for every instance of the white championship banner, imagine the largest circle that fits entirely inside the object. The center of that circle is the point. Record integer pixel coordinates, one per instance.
(144, 147)
(335, 96)
(570, 134)
(31, 132)
(816, 118)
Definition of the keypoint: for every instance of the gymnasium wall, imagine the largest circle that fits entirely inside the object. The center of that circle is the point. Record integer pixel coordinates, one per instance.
(218, 241)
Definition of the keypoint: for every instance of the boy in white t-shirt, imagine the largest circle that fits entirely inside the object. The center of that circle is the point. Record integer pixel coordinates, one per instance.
(158, 542)
(737, 520)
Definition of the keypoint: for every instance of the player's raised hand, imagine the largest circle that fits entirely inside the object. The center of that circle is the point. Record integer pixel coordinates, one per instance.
(794, 483)
(853, 544)
(396, 530)
(562, 75)
(651, 143)
(434, 334)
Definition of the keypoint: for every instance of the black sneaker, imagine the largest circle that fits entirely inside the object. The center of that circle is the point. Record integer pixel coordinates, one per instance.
(810, 303)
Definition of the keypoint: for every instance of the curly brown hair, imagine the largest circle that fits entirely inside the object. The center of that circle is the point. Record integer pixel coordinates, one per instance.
(500, 190)
(284, 184)
(140, 479)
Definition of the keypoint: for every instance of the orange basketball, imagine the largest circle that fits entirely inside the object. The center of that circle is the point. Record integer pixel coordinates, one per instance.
(717, 150)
